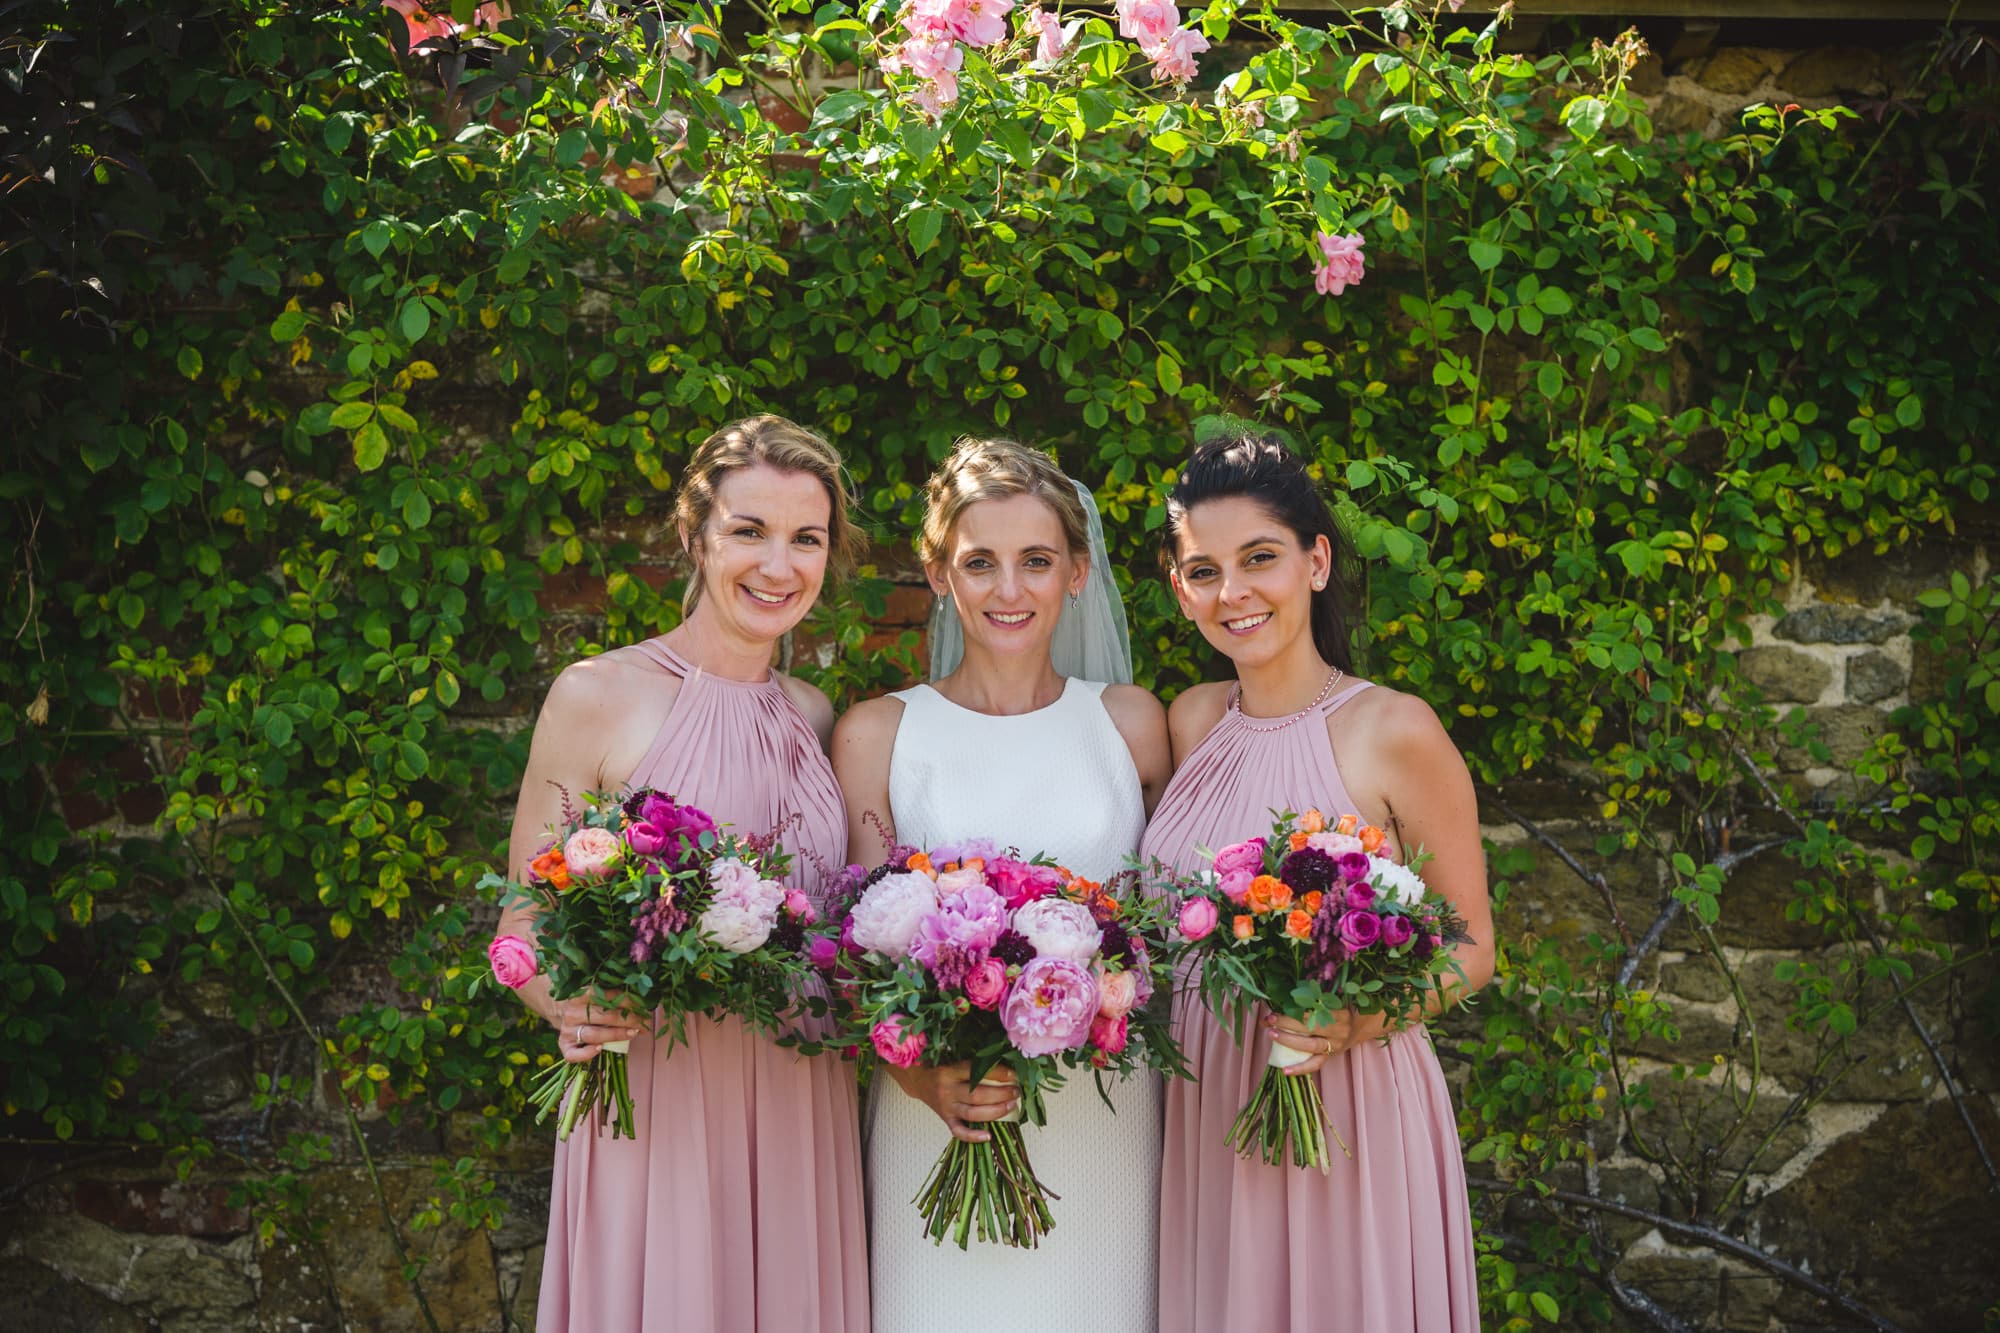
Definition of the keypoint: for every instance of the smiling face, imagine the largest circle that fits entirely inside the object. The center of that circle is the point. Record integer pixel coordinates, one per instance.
(1008, 568)
(763, 551)
(1245, 580)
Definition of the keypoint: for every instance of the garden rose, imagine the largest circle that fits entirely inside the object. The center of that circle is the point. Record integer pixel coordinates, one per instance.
(899, 1048)
(1360, 930)
(591, 853)
(1360, 895)
(1396, 931)
(1059, 928)
(1021, 882)
(1047, 30)
(823, 952)
(1244, 927)
(550, 868)
(986, 983)
(1117, 992)
(1235, 886)
(1173, 56)
(954, 881)
(1341, 262)
(1299, 924)
(1269, 894)
(1197, 918)
(888, 915)
(513, 961)
(1353, 866)
(1051, 1007)
(1147, 22)
(1245, 856)
(1108, 1034)
(800, 908)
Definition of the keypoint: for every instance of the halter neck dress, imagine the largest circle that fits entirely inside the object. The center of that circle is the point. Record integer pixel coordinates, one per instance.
(739, 1205)
(1060, 781)
(1384, 1241)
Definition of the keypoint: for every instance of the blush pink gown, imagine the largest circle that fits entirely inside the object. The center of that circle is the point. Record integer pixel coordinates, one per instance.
(739, 1205)
(1383, 1244)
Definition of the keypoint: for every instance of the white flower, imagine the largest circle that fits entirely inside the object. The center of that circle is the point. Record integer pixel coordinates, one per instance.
(735, 928)
(1059, 928)
(887, 917)
(1396, 881)
(1333, 844)
(737, 885)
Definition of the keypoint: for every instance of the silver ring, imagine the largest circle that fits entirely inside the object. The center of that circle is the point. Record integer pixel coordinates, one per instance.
(579, 1035)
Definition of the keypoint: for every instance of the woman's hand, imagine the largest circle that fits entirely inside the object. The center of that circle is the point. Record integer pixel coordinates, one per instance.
(583, 1026)
(962, 1105)
(1347, 1030)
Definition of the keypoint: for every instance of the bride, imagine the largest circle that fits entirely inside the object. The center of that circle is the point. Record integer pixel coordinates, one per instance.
(1016, 739)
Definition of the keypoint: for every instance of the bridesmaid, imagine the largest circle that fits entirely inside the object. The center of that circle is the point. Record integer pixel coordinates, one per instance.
(738, 1207)
(1383, 1242)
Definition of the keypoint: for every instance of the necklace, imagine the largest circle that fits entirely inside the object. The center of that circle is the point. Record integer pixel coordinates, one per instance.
(1280, 723)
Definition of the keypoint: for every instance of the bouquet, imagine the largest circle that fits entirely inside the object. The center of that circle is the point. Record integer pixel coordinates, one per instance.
(1316, 922)
(644, 904)
(966, 953)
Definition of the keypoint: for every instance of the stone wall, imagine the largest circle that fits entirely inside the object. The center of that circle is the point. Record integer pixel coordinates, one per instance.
(1876, 1187)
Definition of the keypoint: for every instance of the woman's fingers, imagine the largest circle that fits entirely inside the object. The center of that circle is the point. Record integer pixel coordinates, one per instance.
(1304, 1067)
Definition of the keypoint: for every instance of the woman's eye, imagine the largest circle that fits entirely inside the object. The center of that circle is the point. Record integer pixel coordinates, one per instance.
(1038, 562)
(1261, 558)
(747, 532)
(1200, 572)
(809, 539)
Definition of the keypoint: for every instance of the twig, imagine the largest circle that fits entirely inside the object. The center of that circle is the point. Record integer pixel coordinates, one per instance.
(1633, 1301)
(1591, 877)
(1706, 1235)
(1650, 941)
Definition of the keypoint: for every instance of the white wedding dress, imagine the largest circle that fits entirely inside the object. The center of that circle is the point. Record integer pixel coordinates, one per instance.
(1059, 781)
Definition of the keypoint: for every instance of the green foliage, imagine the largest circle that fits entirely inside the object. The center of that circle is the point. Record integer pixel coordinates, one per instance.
(366, 362)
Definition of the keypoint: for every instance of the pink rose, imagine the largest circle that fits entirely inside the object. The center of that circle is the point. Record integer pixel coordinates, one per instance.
(823, 952)
(1117, 992)
(1396, 931)
(1173, 56)
(1198, 917)
(591, 853)
(1236, 886)
(900, 1049)
(1047, 30)
(1360, 930)
(800, 908)
(986, 983)
(1246, 857)
(1107, 1034)
(513, 961)
(1147, 22)
(1341, 262)
(1021, 882)
(1361, 895)
(954, 881)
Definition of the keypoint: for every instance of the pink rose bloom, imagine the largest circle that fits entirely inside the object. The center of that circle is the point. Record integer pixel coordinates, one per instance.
(1020, 882)
(1247, 857)
(1107, 1034)
(591, 853)
(1051, 1007)
(1147, 22)
(933, 97)
(1334, 844)
(986, 983)
(957, 881)
(513, 961)
(1198, 917)
(1059, 928)
(422, 26)
(1173, 57)
(800, 908)
(1360, 930)
(1117, 992)
(900, 1049)
(1236, 885)
(1046, 28)
(889, 914)
(985, 22)
(1360, 896)
(1341, 262)
(491, 15)
(936, 18)
(1396, 931)
(823, 952)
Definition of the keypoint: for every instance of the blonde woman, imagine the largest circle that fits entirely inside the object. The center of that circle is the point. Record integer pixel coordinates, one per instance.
(1012, 741)
(738, 1207)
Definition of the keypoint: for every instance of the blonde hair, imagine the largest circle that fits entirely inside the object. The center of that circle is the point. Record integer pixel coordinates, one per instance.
(993, 470)
(782, 444)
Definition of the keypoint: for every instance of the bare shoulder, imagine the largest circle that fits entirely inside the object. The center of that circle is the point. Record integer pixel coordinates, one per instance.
(1392, 731)
(1134, 709)
(601, 713)
(869, 725)
(597, 688)
(812, 703)
(1194, 713)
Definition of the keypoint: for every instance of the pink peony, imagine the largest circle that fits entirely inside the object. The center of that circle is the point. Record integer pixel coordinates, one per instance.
(1117, 992)
(1059, 928)
(1341, 262)
(1147, 22)
(1051, 1007)
(800, 908)
(1021, 882)
(958, 935)
(900, 1049)
(1107, 1033)
(1173, 57)
(986, 983)
(736, 928)
(591, 853)
(886, 919)
(513, 961)
(1198, 917)
(1360, 929)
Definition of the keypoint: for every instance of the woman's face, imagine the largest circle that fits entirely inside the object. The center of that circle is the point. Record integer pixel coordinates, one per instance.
(1007, 567)
(763, 551)
(1245, 580)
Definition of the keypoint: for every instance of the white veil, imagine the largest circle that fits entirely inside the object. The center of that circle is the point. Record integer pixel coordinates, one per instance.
(1091, 640)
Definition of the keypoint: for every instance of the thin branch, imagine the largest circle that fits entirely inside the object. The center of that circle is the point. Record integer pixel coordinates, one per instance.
(1706, 1235)
(1633, 1301)
(1591, 877)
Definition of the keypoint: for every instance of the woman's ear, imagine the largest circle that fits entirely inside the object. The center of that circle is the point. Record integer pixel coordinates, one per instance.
(1180, 592)
(1320, 559)
(1082, 577)
(934, 575)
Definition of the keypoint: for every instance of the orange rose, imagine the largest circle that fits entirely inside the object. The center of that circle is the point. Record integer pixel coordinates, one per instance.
(1346, 824)
(1298, 840)
(1269, 894)
(1244, 926)
(1371, 838)
(922, 865)
(1313, 822)
(1299, 925)
(974, 863)
(1312, 901)
(551, 868)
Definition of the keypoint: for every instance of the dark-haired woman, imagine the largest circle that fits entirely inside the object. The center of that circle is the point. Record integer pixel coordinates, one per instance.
(1384, 1241)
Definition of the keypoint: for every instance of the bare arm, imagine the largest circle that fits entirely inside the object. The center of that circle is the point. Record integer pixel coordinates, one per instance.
(1143, 723)
(1193, 714)
(863, 741)
(813, 705)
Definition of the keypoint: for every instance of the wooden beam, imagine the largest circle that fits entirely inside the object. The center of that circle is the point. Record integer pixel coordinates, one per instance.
(1801, 11)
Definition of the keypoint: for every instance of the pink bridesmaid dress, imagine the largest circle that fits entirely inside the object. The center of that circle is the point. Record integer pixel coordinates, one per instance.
(739, 1205)
(1383, 1244)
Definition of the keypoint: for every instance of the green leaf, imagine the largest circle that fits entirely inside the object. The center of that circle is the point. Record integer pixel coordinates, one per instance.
(1096, 107)
(1648, 340)
(300, 952)
(375, 237)
(571, 145)
(188, 359)
(1552, 301)
(1549, 379)
(371, 446)
(288, 326)
(925, 224)
(447, 688)
(278, 728)
(514, 267)
(1168, 372)
(1486, 256)
(1909, 411)
(350, 415)
(1585, 117)
(1545, 1306)
(416, 319)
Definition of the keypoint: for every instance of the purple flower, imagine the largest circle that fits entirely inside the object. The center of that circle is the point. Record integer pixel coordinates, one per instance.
(1361, 895)
(1309, 871)
(960, 933)
(1353, 867)
(1360, 929)
(1396, 931)
(823, 952)
(1051, 1007)
(666, 830)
